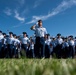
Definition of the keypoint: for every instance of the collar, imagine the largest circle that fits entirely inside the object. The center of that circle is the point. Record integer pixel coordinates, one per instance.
(40, 27)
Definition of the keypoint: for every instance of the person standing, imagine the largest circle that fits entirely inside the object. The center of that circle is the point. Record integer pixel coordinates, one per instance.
(24, 43)
(31, 48)
(47, 46)
(1, 37)
(59, 42)
(10, 42)
(4, 46)
(71, 47)
(40, 32)
(16, 46)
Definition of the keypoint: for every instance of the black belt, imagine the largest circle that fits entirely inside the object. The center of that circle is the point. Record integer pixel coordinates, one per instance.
(39, 37)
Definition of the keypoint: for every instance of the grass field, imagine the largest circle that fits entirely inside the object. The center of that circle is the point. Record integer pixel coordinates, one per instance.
(37, 67)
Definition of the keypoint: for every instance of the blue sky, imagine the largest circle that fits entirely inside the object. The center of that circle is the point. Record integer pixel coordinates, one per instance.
(59, 16)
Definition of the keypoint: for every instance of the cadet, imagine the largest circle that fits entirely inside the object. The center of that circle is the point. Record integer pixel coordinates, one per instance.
(31, 47)
(4, 46)
(71, 47)
(40, 32)
(59, 42)
(16, 46)
(66, 48)
(10, 42)
(47, 46)
(25, 42)
(1, 37)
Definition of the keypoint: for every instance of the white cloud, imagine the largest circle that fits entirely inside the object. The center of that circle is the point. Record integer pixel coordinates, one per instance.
(37, 3)
(25, 11)
(61, 7)
(7, 11)
(16, 26)
(17, 16)
(21, 2)
(34, 19)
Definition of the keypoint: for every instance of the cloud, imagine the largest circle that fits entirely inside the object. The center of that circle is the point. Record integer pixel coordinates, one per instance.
(18, 4)
(65, 4)
(17, 16)
(16, 26)
(34, 19)
(21, 2)
(25, 11)
(8, 11)
(37, 3)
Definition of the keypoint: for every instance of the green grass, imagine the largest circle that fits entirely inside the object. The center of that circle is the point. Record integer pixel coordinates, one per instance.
(37, 67)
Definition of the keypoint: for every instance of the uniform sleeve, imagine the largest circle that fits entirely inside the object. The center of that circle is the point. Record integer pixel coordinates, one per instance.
(13, 40)
(34, 29)
(28, 41)
(45, 31)
(18, 41)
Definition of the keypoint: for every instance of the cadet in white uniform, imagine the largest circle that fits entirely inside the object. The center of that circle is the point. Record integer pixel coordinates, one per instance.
(71, 47)
(31, 48)
(16, 46)
(53, 44)
(25, 42)
(47, 46)
(4, 46)
(65, 48)
(10, 42)
(59, 42)
(75, 44)
(1, 37)
(40, 32)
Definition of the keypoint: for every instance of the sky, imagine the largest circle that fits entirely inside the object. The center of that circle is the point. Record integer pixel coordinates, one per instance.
(59, 16)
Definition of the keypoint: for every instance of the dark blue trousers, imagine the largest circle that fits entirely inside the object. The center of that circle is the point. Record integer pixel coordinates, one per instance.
(0, 49)
(40, 47)
(10, 50)
(47, 51)
(71, 51)
(59, 51)
(24, 46)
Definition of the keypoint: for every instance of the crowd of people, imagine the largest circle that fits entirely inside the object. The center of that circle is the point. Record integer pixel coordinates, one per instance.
(41, 45)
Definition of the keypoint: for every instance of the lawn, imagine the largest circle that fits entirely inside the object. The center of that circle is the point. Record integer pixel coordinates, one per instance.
(37, 67)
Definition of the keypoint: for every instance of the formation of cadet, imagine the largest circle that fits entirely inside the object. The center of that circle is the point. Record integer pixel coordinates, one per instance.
(40, 45)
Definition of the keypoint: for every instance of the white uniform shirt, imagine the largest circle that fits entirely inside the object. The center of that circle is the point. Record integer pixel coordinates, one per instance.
(59, 41)
(31, 46)
(48, 41)
(1, 37)
(71, 43)
(16, 42)
(65, 44)
(75, 42)
(10, 40)
(25, 40)
(34, 38)
(53, 43)
(40, 31)
(4, 41)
